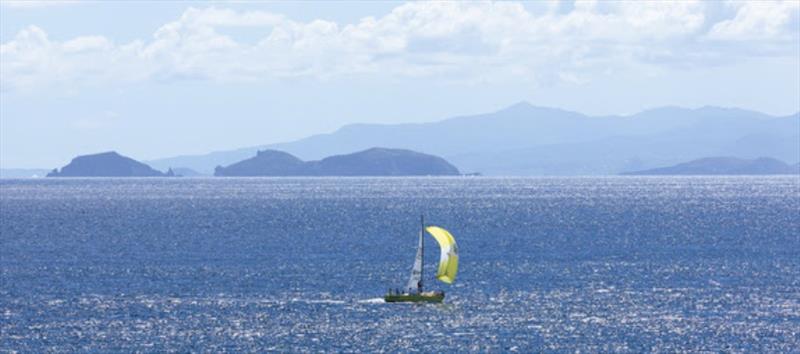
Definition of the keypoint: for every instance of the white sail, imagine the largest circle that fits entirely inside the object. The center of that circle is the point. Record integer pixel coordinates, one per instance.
(415, 280)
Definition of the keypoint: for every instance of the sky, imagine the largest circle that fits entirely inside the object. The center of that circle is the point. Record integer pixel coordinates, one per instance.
(157, 79)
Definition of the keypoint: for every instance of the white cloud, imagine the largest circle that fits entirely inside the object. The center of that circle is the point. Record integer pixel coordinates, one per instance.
(85, 44)
(32, 60)
(470, 42)
(760, 20)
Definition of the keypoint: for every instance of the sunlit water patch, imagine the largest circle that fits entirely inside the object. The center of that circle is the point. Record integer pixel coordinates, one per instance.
(592, 264)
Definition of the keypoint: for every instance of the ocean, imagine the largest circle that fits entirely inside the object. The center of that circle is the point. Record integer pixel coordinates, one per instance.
(597, 264)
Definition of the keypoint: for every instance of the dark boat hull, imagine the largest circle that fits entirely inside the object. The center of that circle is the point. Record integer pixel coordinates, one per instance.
(423, 297)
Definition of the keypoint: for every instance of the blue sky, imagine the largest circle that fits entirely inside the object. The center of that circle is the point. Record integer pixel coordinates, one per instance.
(156, 79)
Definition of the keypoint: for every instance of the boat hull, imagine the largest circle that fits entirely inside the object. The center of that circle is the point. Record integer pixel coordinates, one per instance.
(423, 297)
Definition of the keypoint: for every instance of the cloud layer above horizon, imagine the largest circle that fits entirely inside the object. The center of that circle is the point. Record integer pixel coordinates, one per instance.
(544, 43)
(156, 79)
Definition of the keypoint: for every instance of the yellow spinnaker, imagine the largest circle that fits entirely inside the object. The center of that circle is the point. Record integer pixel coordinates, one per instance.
(448, 263)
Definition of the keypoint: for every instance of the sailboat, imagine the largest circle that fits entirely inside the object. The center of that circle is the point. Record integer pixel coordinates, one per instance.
(448, 267)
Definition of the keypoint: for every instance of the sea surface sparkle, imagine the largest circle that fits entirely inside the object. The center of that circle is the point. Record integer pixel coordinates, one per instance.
(256, 264)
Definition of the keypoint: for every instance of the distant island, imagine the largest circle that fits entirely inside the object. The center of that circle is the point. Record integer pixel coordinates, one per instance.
(370, 162)
(107, 164)
(725, 166)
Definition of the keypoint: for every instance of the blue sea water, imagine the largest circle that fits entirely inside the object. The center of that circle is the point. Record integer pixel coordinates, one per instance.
(623, 264)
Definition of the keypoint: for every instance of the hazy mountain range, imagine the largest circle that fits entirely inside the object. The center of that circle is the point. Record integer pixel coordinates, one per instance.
(529, 140)
(725, 166)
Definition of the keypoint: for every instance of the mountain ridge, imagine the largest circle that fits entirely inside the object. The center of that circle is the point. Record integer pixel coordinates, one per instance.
(476, 142)
(724, 165)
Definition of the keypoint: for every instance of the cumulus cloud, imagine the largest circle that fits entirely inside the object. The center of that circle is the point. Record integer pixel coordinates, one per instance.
(32, 60)
(762, 20)
(450, 40)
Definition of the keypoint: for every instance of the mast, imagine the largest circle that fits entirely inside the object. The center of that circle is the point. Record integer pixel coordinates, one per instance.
(422, 247)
